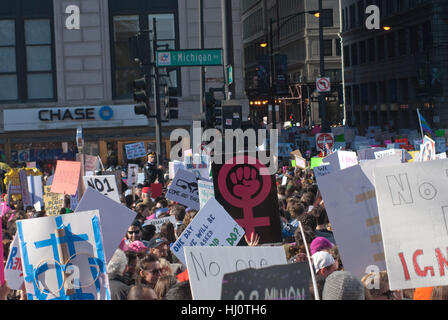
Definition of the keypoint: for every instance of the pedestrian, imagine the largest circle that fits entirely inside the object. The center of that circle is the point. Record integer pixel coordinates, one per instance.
(343, 285)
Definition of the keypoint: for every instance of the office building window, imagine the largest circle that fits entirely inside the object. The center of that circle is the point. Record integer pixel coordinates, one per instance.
(352, 16)
(354, 54)
(338, 47)
(364, 94)
(427, 36)
(391, 45)
(371, 49)
(413, 38)
(327, 17)
(361, 13)
(27, 66)
(362, 52)
(328, 48)
(347, 56)
(402, 47)
(380, 47)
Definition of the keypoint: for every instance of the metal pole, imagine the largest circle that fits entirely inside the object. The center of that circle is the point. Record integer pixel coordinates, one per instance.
(202, 44)
(271, 73)
(322, 110)
(157, 95)
(227, 45)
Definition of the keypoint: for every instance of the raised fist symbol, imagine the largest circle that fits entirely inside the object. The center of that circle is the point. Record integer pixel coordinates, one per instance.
(245, 182)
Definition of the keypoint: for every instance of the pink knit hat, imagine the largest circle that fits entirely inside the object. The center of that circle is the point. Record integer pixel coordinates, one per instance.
(319, 244)
(137, 246)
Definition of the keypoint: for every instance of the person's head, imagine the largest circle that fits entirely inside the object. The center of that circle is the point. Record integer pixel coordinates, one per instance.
(307, 219)
(320, 282)
(148, 270)
(334, 251)
(377, 283)
(320, 244)
(134, 231)
(132, 262)
(281, 190)
(159, 247)
(309, 235)
(179, 291)
(142, 210)
(181, 228)
(439, 293)
(148, 232)
(320, 213)
(30, 211)
(189, 215)
(342, 285)
(139, 292)
(163, 285)
(307, 199)
(167, 231)
(324, 263)
(138, 247)
(178, 212)
(146, 193)
(152, 157)
(295, 209)
(165, 265)
(118, 264)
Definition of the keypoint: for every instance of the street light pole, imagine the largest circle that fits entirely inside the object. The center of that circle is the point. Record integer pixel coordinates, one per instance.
(322, 107)
(271, 73)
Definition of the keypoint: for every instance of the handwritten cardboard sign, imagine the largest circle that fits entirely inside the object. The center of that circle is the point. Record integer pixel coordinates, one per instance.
(428, 149)
(413, 211)
(103, 184)
(207, 265)
(184, 189)
(212, 226)
(206, 191)
(66, 177)
(53, 201)
(132, 175)
(135, 150)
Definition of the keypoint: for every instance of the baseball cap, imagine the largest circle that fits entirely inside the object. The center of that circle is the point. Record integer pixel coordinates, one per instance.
(322, 259)
(146, 190)
(154, 243)
(319, 244)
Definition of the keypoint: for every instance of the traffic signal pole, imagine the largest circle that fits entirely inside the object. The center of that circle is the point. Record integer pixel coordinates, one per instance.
(157, 95)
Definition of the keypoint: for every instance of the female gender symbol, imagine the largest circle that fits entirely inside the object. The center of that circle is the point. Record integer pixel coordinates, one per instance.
(245, 186)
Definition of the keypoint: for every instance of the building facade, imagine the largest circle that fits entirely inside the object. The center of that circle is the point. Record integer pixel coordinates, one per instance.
(54, 79)
(389, 74)
(297, 37)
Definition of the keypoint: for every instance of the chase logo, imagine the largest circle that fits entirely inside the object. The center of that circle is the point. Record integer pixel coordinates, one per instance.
(106, 113)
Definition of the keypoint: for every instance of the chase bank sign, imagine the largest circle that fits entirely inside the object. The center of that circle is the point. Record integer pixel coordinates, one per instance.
(105, 113)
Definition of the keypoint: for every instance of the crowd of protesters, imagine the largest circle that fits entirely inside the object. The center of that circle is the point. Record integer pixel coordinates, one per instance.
(144, 268)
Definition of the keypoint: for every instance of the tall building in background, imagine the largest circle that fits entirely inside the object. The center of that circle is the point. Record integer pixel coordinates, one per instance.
(296, 50)
(389, 74)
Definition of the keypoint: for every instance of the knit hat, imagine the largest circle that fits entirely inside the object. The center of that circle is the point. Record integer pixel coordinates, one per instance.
(342, 285)
(146, 190)
(322, 259)
(137, 246)
(319, 244)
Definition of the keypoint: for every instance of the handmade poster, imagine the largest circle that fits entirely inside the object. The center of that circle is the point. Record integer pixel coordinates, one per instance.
(104, 184)
(208, 265)
(74, 201)
(386, 153)
(350, 200)
(173, 167)
(118, 178)
(315, 162)
(13, 266)
(115, 218)
(35, 189)
(53, 201)
(135, 150)
(184, 189)
(90, 162)
(300, 162)
(31, 164)
(341, 160)
(26, 198)
(206, 191)
(441, 156)
(156, 190)
(249, 196)
(368, 153)
(282, 282)
(66, 177)
(212, 226)
(132, 175)
(413, 210)
(159, 222)
(323, 170)
(427, 149)
(63, 257)
(140, 178)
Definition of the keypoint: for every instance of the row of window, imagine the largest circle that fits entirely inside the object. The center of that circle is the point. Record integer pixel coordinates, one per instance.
(390, 91)
(398, 43)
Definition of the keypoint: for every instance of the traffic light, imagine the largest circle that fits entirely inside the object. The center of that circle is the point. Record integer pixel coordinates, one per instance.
(217, 114)
(209, 113)
(171, 104)
(141, 98)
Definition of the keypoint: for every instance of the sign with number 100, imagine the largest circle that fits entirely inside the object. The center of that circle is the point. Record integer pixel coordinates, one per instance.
(106, 185)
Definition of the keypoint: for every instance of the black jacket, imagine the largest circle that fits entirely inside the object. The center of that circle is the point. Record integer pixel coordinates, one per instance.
(152, 173)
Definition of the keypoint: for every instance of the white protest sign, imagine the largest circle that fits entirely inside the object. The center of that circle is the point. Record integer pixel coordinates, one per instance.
(13, 266)
(63, 257)
(428, 149)
(184, 189)
(413, 211)
(322, 170)
(384, 153)
(135, 150)
(207, 265)
(35, 189)
(341, 160)
(90, 162)
(132, 175)
(115, 218)
(369, 153)
(441, 155)
(300, 162)
(173, 167)
(141, 178)
(206, 191)
(284, 180)
(106, 185)
(212, 226)
(159, 222)
(349, 197)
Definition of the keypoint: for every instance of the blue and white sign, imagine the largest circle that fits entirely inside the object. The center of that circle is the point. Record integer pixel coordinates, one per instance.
(135, 150)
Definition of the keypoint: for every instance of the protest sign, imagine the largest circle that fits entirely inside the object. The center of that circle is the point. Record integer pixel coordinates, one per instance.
(63, 257)
(206, 191)
(35, 189)
(441, 156)
(156, 190)
(368, 153)
(159, 222)
(428, 149)
(323, 170)
(297, 153)
(197, 164)
(440, 144)
(26, 198)
(135, 150)
(132, 175)
(212, 226)
(53, 201)
(90, 162)
(248, 193)
(66, 177)
(31, 164)
(74, 201)
(413, 212)
(349, 197)
(103, 184)
(315, 162)
(341, 160)
(13, 267)
(414, 156)
(300, 162)
(173, 167)
(282, 282)
(115, 218)
(140, 178)
(385, 153)
(184, 189)
(207, 265)
(284, 149)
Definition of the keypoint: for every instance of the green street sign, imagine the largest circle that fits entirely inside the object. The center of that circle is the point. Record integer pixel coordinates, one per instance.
(230, 72)
(189, 58)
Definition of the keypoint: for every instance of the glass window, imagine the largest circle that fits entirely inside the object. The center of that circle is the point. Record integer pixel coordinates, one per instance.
(380, 47)
(371, 49)
(327, 17)
(8, 87)
(354, 51)
(40, 86)
(8, 77)
(391, 45)
(362, 52)
(402, 42)
(328, 48)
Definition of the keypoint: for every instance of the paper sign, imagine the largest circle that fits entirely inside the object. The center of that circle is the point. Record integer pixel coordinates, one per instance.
(283, 282)
(156, 190)
(31, 164)
(323, 170)
(159, 222)
(284, 180)
(115, 218)
(315, 162)
(35, 189)
(428, 149)
(132, 175)
(341, 160)
(349, 197)
(63, 257)
(66, 177)
(26, 199)
(369, 153)
(90, 162)
(206, 191)
(13, 267)
(300, 162)
(212, 226)
(135, 150)
(207, 265)
(184, 189)
(173, 167)
(441, 155)
(140, 178)
(413, 211)
(103, 184)
(53, 202)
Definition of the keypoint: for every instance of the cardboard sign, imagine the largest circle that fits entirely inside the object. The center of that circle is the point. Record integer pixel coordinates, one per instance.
(207, 265)
(66, 177)
(349, 197)
(212, 226)
(428, 149)
(90, 163)
(115, 218)
(63, 257)
(156, 190)
(206, 191)
(441, 156)
(104, 184)
(135, 150)
(132, 175)
(35, 189)
(384, 153)
(341, 160)
(13, 267)
(413, 211)
(283, 282)
(184, 189)
(249, 196)
(323, 170)
(26, 198)
(53, 201)
(159, 222)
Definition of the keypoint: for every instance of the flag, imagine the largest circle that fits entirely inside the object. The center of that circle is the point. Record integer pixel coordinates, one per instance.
(426, 130)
